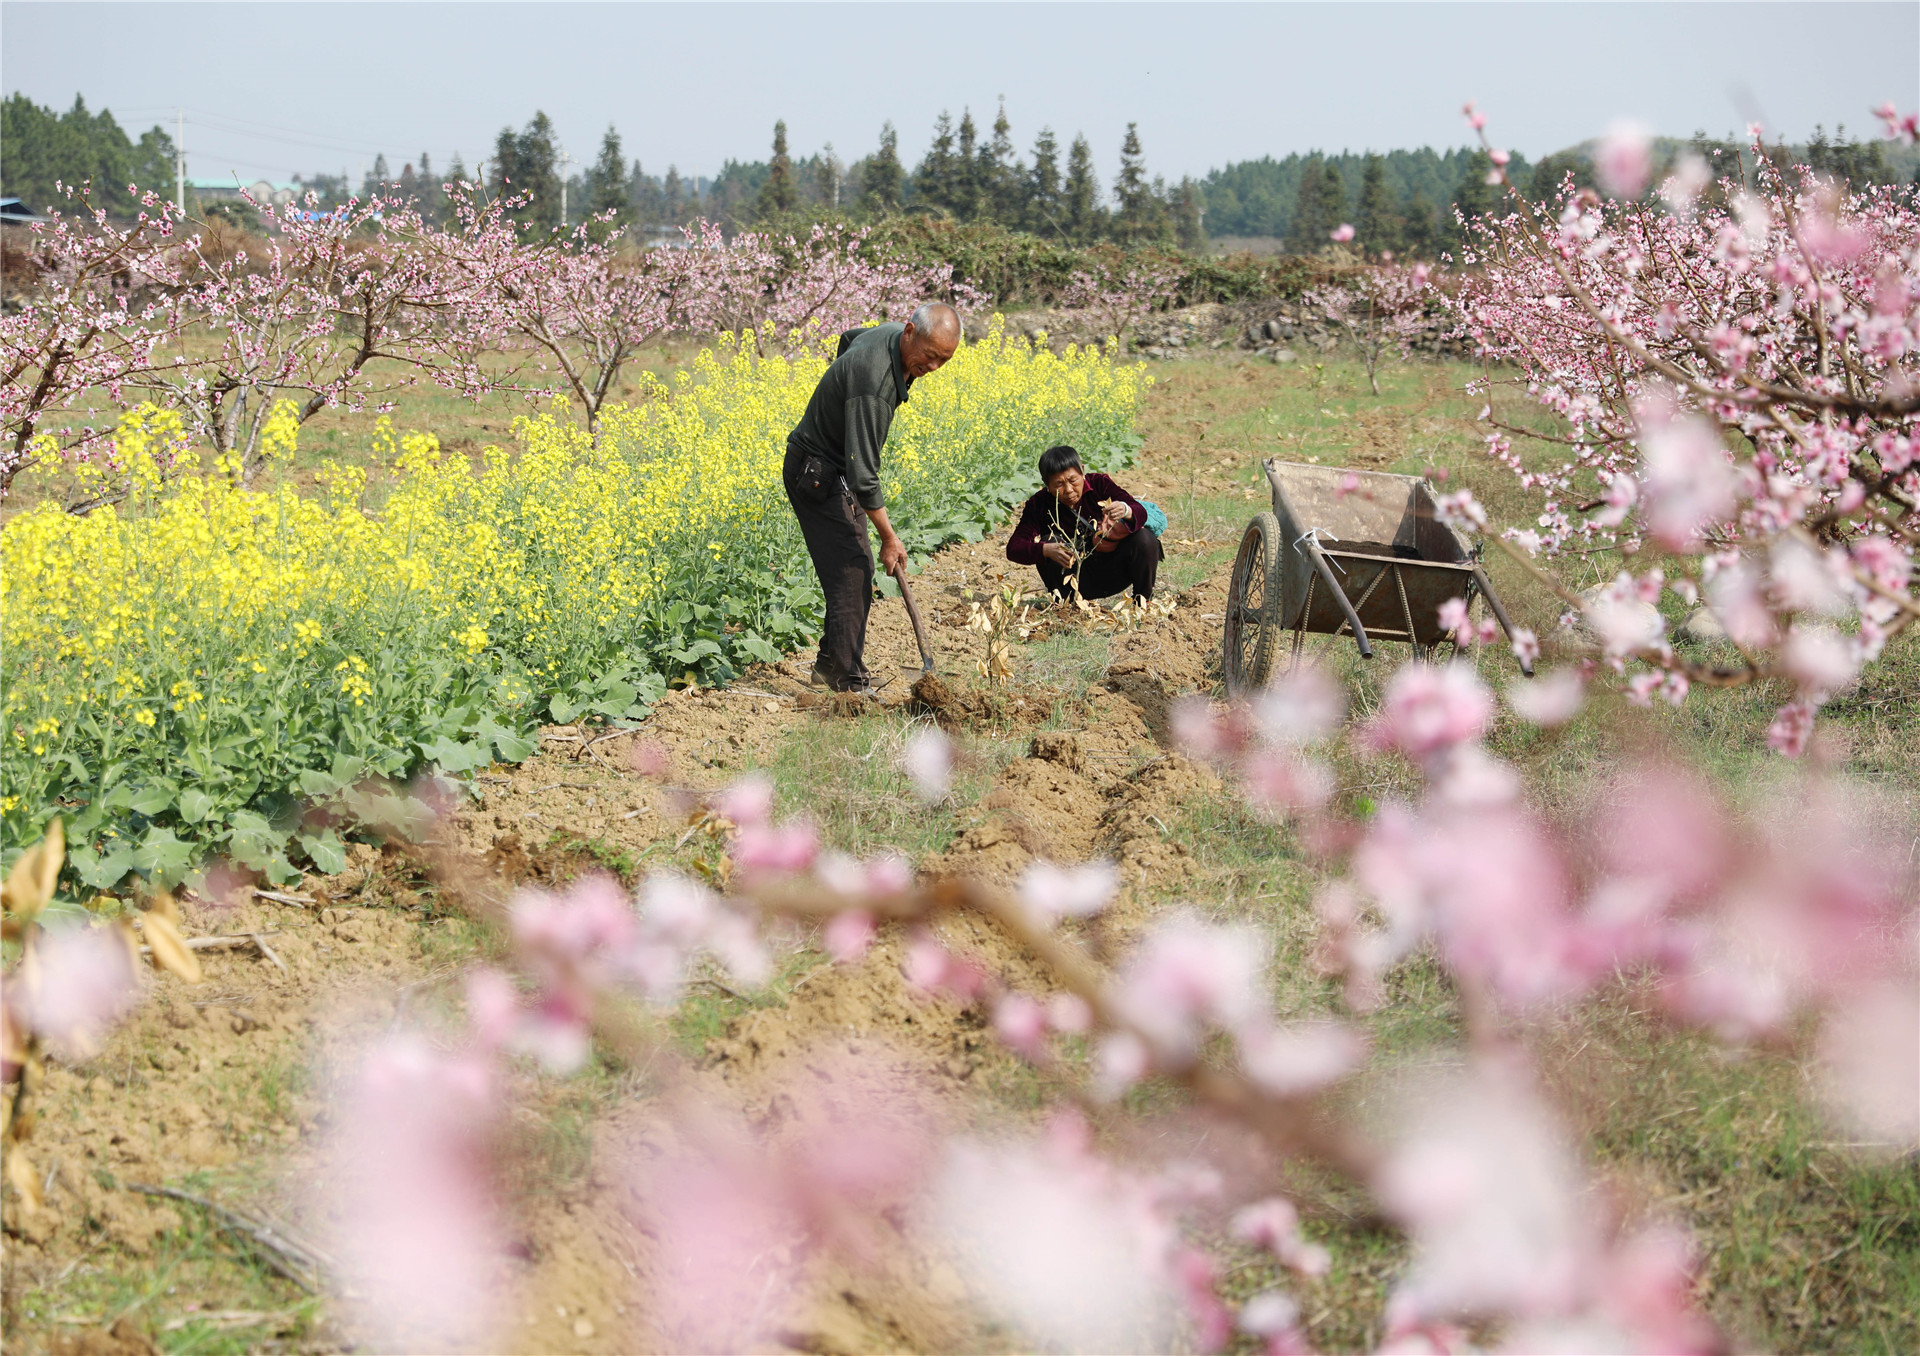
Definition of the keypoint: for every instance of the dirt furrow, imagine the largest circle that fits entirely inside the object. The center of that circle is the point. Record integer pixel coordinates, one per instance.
(226, 1079)
(1087, 791)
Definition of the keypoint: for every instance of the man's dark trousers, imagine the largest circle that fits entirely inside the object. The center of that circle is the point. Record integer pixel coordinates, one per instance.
(836, 534)
(1134, 563)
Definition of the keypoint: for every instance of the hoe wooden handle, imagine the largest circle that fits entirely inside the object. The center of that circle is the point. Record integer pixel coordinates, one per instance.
(913, 615)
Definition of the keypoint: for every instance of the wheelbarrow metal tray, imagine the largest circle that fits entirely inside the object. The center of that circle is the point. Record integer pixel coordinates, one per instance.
(1380, 538)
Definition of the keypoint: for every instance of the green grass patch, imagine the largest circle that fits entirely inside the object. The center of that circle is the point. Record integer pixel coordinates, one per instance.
(195, 1294)
(846, 776)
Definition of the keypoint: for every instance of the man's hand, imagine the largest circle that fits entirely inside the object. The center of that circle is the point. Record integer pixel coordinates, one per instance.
(1059, 555)
(893, 551)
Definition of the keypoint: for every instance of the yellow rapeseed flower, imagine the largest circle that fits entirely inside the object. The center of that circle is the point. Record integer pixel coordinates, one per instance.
(531, 571)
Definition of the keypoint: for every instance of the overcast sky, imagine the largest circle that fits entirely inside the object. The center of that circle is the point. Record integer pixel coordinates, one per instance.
(270, 89)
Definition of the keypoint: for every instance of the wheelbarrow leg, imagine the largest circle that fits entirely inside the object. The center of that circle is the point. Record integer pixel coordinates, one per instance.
(1339, 596)
(1406, 610)
(1300, 624)
(1499, 612)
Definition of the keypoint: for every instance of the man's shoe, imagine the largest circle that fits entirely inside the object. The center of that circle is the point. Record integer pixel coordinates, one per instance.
(860, 687)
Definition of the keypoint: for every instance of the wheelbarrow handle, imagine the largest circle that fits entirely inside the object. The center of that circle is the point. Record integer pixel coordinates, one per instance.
(1339, 595)
(1500, 614)
(1272, 468)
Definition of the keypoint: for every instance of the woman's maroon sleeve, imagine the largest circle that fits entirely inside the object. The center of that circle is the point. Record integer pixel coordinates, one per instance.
(1023, 547)
(1102, 486)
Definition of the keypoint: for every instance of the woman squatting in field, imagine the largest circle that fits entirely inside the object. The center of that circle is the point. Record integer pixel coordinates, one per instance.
(1085, 533)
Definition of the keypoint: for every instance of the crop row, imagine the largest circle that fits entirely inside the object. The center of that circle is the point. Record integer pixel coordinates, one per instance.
(211, 670)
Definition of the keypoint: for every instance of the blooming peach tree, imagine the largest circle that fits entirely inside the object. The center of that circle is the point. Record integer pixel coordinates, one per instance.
(341, 309)
(830, 280)
(1383, 306)
(1113, 298)
(585, 303)
(92, 317)
(580, 306)
(1738, 382)
(1721, 922)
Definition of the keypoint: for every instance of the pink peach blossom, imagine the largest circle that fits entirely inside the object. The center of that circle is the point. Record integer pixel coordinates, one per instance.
(1021, 1023)
(78, 984)
(1429, 709)
(848, 934)
(1055, 892)
(1624, 160)
(1870, 1064)
(410, 1183)
(928, 761)
(748, 802)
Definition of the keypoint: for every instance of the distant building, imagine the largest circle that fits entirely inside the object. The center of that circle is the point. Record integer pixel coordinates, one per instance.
(13, 212)
(231, 190)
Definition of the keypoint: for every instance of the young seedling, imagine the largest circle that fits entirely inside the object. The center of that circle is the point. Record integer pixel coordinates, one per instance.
(1006, 612)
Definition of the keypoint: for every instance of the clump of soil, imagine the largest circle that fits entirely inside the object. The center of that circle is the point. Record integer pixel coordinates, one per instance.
(1059, 746)
(845, 705)
(957, 708)
(508, 857)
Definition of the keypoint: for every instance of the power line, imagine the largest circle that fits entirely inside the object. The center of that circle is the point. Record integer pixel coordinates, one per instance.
(309, 144)
(292, 135)
(263, 131)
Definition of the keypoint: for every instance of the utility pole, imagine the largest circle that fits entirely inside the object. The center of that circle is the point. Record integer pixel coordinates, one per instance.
(180, 160)
(565, 160)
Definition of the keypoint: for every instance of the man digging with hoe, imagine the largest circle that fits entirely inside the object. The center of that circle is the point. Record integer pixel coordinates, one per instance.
(832, 474)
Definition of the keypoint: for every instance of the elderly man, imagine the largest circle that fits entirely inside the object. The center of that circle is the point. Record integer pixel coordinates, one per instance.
(832, 474)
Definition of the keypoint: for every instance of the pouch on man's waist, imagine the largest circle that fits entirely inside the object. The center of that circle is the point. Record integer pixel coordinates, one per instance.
(817, 476)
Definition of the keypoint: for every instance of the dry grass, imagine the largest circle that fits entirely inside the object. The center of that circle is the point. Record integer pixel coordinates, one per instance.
(1805, 1247)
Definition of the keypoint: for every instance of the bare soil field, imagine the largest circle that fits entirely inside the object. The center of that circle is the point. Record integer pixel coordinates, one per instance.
(218, 1091)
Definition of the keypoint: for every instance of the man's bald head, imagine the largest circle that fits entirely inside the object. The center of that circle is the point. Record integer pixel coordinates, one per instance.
(930, 338)
(937, 319)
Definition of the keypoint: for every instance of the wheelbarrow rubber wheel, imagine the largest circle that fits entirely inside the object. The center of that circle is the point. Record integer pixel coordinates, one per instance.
(1253, 608)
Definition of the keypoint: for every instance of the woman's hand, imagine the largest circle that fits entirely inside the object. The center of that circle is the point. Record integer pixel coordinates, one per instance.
(1059, 555)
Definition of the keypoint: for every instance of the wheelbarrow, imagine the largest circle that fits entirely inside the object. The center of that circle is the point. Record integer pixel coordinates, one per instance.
(1342, 550)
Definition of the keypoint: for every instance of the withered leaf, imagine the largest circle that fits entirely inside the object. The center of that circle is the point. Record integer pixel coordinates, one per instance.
(170, 952)
(13, 1038)
(25, 1181)
(122, 928)
(30, 884)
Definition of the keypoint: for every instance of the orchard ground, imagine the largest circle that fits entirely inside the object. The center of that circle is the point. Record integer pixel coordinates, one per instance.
(218, 1090)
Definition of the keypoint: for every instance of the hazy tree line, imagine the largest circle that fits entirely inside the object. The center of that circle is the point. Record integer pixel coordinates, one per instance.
(41, 149)
(1404, 201)
(1054, 191)
(1407, 201)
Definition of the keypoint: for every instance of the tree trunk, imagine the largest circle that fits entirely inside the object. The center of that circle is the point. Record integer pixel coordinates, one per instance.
(224, 425)
(250, 459)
